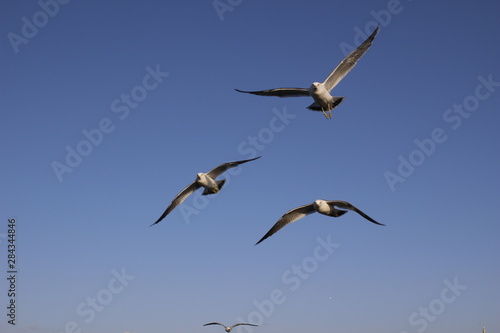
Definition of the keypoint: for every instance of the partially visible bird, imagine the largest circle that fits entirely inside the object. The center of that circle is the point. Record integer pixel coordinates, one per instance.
(320, 92)
(205, 180)
(229, 328)
(321, 206)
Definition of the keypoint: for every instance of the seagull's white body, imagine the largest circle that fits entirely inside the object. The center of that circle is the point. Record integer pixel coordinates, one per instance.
(229, 328)
(207, 181)
(328, 208)
(210, 184)
(320, 92)
(324, 207)
(321, 96)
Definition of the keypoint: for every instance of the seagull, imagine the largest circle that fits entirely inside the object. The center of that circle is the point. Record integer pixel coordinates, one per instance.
(205, 180)
(324, 207)
(229, 328)
(320, 92)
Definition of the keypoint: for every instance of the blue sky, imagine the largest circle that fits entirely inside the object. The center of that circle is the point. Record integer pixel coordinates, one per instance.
(143, 92)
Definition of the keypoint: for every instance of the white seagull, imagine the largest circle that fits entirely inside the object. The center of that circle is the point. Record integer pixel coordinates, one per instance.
(206, 180)
(321, 206)
(229, 328)
(320, 92)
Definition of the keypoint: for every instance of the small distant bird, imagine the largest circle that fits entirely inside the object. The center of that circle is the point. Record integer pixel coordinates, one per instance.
(321, 206)
(229, 328)
(320, 92)
(205, 180)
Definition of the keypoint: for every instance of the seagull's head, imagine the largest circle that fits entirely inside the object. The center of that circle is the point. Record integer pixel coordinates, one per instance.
(318, 203)
(199, 175)
(315, 86)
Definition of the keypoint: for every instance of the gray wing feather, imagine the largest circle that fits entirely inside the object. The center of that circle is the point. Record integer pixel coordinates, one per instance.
(216, 172)
(215, 324)
(289, 217)
(179, 198)
(243, 324)
(279, 92)
(346, 205)
(348, 63)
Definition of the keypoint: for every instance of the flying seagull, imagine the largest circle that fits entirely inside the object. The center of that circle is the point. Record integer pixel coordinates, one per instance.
(321, 206)
(320, 92)
(205, 180)
(229, 328)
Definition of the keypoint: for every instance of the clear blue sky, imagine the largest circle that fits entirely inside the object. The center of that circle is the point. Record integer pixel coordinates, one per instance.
(143, 92)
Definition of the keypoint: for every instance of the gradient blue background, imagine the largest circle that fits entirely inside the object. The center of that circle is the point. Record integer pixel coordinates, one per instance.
(442, 222)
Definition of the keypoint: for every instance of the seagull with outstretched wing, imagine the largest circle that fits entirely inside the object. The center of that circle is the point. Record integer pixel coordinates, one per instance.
(320, 92)
(329, 208)
(229, 328)
(205, 180)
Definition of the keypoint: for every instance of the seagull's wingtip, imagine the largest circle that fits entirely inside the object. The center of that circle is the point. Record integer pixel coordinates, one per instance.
(154, 223)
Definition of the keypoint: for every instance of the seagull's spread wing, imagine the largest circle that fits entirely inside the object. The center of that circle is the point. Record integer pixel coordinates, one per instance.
(243, 324)
(348, 63)
(179, 199)
(289, 217)
(346, 205)
(280, 92)
(216, 172)
(215, 324)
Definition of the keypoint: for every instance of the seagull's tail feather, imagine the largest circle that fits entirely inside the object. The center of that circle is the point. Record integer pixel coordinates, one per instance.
(337, 212)
(220, 183)
(334, 103)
